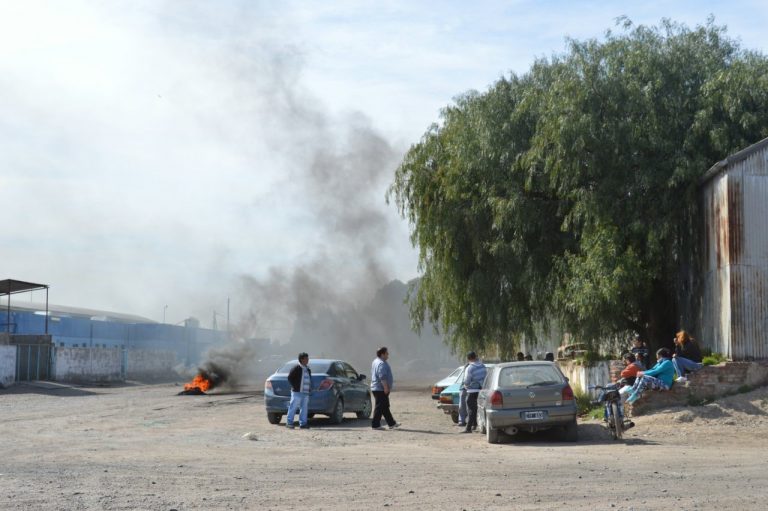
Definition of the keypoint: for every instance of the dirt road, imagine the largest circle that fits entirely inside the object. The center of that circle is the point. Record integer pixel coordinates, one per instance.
(143, 447)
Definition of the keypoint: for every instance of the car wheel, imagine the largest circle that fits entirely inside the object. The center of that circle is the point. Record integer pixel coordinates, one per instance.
(338, 412)
(571, 431)
(492, 435)
(365, 413)
(455, 417)
(274, 418)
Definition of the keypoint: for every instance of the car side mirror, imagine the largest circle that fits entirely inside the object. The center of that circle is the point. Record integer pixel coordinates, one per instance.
(360, 377)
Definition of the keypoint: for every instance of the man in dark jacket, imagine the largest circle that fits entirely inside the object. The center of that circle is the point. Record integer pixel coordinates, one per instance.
(300, 379)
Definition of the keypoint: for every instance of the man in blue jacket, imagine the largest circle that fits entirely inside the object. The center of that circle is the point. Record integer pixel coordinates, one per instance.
(474, 375)
(659, 377)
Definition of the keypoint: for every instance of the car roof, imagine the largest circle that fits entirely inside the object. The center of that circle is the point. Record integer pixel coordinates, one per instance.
(525, 363)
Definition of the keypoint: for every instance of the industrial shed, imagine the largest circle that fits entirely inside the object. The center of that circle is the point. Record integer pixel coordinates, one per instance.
(733, 312)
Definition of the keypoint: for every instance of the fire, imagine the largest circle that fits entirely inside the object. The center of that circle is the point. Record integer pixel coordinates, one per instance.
(199, 381)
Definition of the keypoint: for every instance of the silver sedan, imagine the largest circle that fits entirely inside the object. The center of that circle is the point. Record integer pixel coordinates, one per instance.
(526, 396)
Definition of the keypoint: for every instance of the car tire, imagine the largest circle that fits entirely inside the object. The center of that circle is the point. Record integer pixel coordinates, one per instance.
(571, 431)
(492, 435)
(365, 413)
(338, 412)
(455, 417)
(274, 418)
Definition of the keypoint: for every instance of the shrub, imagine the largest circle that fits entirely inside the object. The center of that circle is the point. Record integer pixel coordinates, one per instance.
(584, 403)
(713, 359)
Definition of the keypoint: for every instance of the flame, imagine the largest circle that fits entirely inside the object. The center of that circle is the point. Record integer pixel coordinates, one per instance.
(199, 381)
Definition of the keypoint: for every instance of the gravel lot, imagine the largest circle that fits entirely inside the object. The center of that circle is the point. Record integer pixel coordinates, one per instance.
(144, 447)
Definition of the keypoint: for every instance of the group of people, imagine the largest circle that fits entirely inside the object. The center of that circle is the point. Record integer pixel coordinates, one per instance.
(686, 358)
(300, 379)
(670, 366)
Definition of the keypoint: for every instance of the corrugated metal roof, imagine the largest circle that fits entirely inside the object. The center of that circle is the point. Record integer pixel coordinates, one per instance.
(64, 310)
(732, 159)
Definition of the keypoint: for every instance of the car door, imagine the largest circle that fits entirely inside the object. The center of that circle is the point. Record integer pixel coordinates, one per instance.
(358, 387)
(345, 389)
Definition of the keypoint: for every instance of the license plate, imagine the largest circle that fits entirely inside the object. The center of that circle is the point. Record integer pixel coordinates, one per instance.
(533, 416)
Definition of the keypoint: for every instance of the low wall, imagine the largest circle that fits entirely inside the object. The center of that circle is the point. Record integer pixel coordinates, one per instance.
(150, 364)
(581, 376)
(88, 364)
(704, 385)
(7, 365)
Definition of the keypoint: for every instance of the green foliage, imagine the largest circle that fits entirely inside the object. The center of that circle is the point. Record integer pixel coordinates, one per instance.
(584, 403)
(713, 359)
(568, 194)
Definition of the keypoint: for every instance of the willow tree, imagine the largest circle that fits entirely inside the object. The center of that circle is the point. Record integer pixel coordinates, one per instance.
(569, 194)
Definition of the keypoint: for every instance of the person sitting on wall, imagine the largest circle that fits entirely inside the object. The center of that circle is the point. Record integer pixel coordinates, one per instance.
(687, 356)
(631, 368)
(549, 357)
(520, 356)
(640, 351)
(659, 377)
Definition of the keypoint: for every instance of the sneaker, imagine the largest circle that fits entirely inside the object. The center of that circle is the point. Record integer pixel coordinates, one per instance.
(377, 427)
(681, 379)
(305, 426)
(395, 425)
(289, 426)
(461, 424)
(464, 431)
(633, 397)
(625, 389)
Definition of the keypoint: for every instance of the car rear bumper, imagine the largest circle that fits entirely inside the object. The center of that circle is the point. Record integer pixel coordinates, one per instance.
(319, 402)
(447, 408)
(555, 416)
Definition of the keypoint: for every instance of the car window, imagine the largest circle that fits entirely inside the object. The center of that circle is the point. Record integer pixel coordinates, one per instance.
(457, 372)
(339, 370)
(529, 376)
(315, 367)
(351, 373)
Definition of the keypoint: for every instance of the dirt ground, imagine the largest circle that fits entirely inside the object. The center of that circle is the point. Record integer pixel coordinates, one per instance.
(144, 447)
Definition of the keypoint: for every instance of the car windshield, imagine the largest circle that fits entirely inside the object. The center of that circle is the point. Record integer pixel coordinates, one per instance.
(456, 372)
(529, 376)
(315, 367)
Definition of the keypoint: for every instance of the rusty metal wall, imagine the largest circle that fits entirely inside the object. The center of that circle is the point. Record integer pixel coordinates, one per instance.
(734, 302)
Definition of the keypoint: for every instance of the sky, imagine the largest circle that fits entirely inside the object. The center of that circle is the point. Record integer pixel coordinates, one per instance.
(168, 158)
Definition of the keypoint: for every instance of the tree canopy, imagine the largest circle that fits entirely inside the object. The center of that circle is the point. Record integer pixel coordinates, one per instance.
(569, 194)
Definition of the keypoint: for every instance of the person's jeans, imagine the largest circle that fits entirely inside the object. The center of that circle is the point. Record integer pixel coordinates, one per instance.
(472, 410)
(299, 400)
(381, 409)
(463, 406)
(683, 364)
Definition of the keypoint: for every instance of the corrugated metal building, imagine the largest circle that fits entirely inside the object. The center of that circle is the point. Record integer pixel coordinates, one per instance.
(733, 318)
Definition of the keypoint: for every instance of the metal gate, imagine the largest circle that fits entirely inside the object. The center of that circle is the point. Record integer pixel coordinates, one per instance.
(34, 362)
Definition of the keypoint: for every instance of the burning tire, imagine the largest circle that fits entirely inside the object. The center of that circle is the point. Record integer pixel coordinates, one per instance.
(274, 418)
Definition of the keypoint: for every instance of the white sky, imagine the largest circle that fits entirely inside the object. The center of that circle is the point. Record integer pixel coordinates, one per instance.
(152, 153)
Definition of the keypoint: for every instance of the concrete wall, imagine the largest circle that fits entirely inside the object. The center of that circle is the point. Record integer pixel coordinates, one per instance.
(7, 364)
(582, 376)
(150, 364)
(88, 364)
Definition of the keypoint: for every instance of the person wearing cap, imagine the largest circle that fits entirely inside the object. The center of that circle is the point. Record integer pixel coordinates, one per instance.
(474, 376)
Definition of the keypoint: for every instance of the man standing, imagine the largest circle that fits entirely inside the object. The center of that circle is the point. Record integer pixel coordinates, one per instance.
(381, 386)
(474, 376)
(300, 379)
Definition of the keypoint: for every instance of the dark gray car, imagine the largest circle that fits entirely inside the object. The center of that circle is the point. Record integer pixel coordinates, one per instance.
(526, 396)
